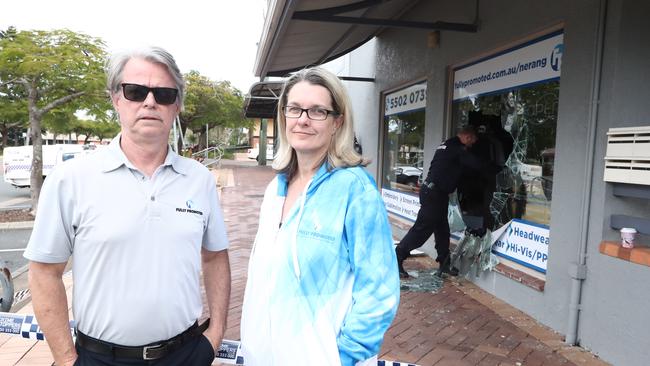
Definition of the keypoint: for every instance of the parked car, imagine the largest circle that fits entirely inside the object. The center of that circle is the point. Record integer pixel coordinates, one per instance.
(409, 175)
(253, 153)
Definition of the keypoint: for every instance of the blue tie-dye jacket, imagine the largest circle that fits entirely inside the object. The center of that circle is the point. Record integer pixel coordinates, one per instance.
(323, 288)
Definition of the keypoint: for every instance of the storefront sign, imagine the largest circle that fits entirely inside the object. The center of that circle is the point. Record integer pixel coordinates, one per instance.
(408, 99)
(401, 204)
(533, 62)
(523, 242)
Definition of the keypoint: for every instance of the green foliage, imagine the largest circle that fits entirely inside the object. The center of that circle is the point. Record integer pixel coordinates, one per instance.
(211, 103)
(64, 123)
(228, 155)
(13, 109)
(59, 121)
(101, 130)
(56, 64)
(13, 106)
(54, 73)
(9, 33)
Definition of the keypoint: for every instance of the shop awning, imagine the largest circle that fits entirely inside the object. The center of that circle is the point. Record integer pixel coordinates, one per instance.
(299, 33)
(262, 99)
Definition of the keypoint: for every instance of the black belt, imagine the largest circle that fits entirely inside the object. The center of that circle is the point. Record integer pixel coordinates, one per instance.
(151, 351)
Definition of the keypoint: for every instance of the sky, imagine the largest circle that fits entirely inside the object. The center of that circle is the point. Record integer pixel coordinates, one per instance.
(217, 38)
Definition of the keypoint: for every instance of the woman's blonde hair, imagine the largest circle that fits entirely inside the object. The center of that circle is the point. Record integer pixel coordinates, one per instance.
(341, 151)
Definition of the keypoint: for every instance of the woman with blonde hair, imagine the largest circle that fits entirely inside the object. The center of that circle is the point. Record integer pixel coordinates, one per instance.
(322, 280)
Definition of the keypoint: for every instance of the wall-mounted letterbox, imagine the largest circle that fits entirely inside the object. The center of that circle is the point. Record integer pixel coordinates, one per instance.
(628, 155)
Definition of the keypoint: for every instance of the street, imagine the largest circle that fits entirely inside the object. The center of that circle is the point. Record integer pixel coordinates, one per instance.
(12, 197)
(12, 243)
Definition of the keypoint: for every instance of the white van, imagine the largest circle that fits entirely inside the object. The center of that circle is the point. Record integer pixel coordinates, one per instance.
(17, 161)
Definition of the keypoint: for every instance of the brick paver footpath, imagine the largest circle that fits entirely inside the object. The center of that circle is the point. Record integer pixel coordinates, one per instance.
(456, 326)
(459, 325)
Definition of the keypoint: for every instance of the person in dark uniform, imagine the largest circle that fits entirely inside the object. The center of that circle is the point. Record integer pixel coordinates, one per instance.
(447, 165)
(476, 188)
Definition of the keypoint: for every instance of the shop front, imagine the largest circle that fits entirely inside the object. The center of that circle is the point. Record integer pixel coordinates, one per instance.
(511, 98)
(403, 149)
(542, 83)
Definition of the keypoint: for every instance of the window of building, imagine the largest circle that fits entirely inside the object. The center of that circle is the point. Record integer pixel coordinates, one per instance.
(517, 132)
(511, 98)
(403, 151)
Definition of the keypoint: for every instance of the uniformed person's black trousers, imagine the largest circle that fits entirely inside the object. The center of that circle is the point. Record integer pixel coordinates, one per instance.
(432, 218)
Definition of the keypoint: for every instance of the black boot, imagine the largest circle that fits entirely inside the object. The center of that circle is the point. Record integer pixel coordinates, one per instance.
(400, 267)
(445, 267)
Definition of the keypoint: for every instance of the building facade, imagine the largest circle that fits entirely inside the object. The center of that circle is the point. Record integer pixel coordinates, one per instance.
(544, 83)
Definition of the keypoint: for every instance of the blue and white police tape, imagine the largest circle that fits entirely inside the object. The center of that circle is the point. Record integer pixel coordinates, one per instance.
(229, 352)
(23, 325)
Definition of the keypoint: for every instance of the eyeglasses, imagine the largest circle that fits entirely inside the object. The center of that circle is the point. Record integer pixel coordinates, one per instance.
(138, 93)
(316, 114)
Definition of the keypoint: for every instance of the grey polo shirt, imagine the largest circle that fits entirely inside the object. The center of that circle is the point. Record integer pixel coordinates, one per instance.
(136, 242)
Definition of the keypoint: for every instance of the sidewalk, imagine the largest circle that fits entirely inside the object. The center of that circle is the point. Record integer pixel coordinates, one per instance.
(460, 325)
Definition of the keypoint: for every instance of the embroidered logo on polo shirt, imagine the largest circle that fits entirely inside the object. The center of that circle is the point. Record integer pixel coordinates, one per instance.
(189, 204)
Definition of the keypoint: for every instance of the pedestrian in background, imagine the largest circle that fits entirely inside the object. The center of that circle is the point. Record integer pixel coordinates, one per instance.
(322, 286)
(141, 222)
(445, 171)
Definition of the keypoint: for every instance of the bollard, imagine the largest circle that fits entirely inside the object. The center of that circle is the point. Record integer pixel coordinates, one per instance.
(6, 288)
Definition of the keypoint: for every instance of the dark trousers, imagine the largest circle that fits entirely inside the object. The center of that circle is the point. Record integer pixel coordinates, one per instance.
(432, 218)
(197, 351)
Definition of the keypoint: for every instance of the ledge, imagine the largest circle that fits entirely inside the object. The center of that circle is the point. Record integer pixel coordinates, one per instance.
(399, 222)
(521, 277)
(639, 255)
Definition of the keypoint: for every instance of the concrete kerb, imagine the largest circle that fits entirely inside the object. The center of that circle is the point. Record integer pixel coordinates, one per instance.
(20, 271)
(16, 225)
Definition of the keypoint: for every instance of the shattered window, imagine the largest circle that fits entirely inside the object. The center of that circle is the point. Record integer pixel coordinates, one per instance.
(516, 131)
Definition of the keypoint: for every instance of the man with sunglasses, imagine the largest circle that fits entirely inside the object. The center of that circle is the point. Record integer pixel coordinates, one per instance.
(142, 222)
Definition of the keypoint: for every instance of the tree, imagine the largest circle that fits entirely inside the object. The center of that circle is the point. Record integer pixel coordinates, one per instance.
(99, 129)
(210, 103)
(13, 111)
(52, 70)
(59, 122)
(9, 33)
(105, 129)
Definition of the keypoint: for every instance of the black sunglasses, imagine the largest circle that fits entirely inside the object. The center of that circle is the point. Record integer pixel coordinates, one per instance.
(138, 93)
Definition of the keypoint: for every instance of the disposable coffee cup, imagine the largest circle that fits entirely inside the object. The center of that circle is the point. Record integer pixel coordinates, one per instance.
(628, 235)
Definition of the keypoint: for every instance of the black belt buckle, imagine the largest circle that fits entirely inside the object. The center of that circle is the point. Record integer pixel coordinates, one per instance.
(147, 353)
(157, 350)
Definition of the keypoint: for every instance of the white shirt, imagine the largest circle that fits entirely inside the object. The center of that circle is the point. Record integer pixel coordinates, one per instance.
(136, 242)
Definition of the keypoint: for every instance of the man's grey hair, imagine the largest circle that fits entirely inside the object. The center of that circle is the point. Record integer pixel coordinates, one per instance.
(115, 67)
